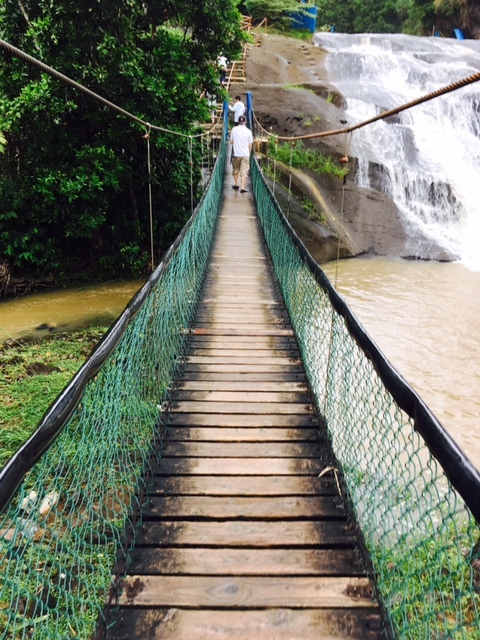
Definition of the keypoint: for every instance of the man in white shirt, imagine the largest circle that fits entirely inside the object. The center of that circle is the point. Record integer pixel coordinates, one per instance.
(238, 109)
(242, 141)
(222, 63)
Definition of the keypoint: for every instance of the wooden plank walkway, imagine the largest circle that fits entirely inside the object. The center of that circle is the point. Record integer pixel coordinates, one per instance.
(241, 538)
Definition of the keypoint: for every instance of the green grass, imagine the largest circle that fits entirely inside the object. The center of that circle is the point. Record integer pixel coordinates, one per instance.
(429, 584)
(296, 87)
(25, 398)
(312, 211)
(303, 158)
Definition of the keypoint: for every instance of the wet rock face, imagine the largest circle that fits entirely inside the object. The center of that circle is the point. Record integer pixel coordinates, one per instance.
(292, 96)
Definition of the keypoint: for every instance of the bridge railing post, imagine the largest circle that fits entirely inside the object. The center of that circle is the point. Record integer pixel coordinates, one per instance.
(225, 117)
(249, 110)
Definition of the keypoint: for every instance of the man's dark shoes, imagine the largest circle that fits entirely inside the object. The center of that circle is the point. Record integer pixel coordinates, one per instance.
(242, 190)
(234, 186)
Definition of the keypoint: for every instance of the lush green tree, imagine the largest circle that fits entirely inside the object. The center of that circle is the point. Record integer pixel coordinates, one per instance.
(420, 17)
(338, 13)
(379, 16)
(73, 178)
(376, 16)
(277, 12)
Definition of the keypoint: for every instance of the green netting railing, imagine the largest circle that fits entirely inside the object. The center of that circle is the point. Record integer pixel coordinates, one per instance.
(72, 518)
(414, 496)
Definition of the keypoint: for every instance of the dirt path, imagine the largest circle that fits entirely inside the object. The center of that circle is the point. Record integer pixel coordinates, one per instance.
(292, 96)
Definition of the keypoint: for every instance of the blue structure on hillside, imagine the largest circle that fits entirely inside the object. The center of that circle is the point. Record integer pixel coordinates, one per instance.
(306, 19)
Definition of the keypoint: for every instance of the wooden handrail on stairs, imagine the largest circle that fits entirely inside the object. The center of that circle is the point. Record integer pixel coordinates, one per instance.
(237, 70)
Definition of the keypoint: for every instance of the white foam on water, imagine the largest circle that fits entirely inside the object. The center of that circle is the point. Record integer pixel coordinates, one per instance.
(428, 157)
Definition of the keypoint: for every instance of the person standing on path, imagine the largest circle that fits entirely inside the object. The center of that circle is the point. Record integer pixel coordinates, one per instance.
(238, 109)
(222, 63)
(241, 140)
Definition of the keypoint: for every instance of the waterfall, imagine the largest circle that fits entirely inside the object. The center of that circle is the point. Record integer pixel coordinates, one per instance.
(427, 159)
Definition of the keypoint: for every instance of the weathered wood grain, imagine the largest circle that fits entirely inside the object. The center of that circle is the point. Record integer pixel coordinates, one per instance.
(242, 450)
(241, 385)
(257, 408)
(245, 592)
(273, 508)
(241, 485)
(236, 434)
(244, 562)
(247, 533)
(267, 624)
(242, 466)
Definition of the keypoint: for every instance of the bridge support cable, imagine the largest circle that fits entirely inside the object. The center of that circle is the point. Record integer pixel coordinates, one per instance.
(70, 497)
(414, 494)
(381, 116)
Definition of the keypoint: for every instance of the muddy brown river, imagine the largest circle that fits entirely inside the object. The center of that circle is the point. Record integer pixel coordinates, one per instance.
(424, 316)
(65, 309)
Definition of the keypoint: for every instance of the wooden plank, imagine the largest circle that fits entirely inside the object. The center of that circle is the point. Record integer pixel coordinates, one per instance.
(241, 408)
(232, 434)
(234, 352)
(244, 562)
(220, 321)
(242, 450)
(241, 299)
(266, 624)
(286, 507)
(260, 376)
(256, 307)
(231, 331)
(245, 397)
(242, 385)
(233, 276)
(246, 533)
(245, 323)
(244, 342)
(244, 368)
(242, 486)
(242, 420)
(252, 277)
(245, 592)
(245, 359)
(240, 466)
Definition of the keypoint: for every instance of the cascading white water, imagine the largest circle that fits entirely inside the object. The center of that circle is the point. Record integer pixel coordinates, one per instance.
(428, 157)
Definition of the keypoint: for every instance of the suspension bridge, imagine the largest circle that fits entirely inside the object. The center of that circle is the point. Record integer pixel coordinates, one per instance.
(238, 459)
(240, 536)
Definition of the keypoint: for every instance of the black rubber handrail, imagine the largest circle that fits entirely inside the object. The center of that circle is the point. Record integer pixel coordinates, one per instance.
(59, 413)
(460, 471)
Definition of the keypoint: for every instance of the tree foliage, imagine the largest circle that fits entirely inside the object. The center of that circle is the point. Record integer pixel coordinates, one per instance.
(73, 176)
(385, 16)
(277, 12)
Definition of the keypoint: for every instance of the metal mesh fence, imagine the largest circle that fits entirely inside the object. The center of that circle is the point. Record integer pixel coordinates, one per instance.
(420, 538)
(70, 524)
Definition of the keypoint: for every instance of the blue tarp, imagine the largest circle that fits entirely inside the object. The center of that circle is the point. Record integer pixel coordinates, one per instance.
(459, 34)
(306, 20)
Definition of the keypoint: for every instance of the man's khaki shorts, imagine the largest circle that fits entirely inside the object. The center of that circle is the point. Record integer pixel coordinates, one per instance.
(241, 165)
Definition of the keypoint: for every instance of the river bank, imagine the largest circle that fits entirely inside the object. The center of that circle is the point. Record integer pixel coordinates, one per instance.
(32, 374)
